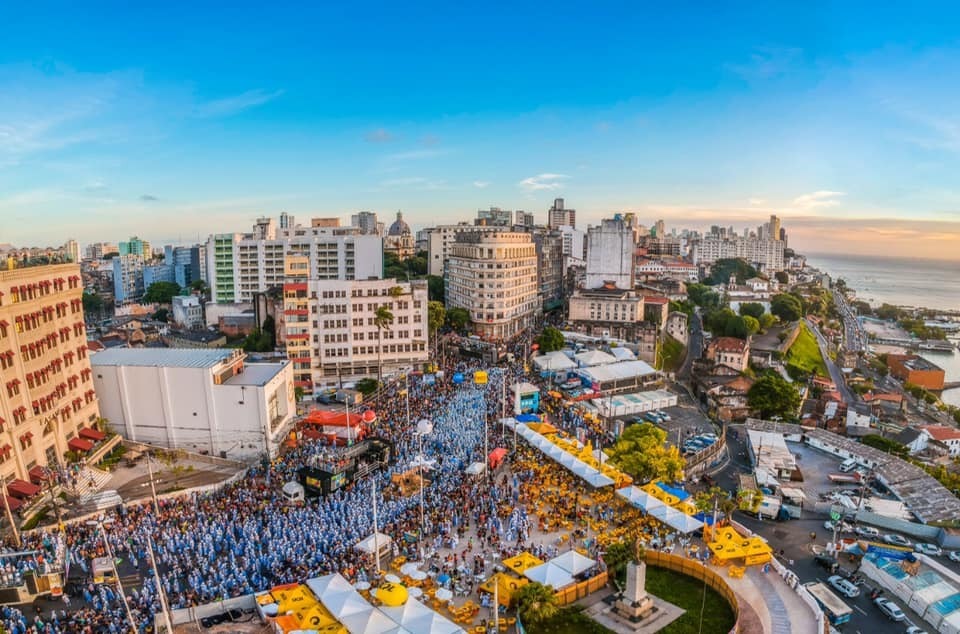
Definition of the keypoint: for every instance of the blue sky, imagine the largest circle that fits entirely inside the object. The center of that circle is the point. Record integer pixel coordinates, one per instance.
(177, 121)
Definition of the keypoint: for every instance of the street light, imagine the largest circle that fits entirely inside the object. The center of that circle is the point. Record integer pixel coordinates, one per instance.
(424, 427)
(102, 523)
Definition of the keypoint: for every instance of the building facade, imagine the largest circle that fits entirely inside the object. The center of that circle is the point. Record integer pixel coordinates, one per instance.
(549, 245)
(189, 263)
(200, 400)
(330, 331)
(136, 246)
(367, 222)
(157, 273)
(399, 240)
(440, 244)
(558, 216)
(765, 254)
(241, 265)
(187, 312)
(912, 368)
(97, 250)
(48, 395)
(127, 279)
(494, 217)
(71, 250)
(610, 255)
(493, 275)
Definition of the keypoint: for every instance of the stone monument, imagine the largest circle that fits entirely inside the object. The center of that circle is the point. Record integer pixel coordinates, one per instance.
(634, 603)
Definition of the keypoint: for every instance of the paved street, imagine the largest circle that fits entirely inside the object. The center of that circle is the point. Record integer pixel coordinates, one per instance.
(835, 373)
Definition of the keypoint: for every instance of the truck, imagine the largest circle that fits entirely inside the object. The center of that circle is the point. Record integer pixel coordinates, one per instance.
(833, 607)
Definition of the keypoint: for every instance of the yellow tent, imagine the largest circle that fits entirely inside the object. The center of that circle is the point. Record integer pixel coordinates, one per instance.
(543, 428)
(293, 599)
(519, 563)
(727, 544)
(506, 586)
(314, 617)
(480, 377)
(391, 594)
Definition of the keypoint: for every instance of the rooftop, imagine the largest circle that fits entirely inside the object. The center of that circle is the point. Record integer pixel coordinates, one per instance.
(162, 357)
(257, 374)
(729, 344)
(942, 432)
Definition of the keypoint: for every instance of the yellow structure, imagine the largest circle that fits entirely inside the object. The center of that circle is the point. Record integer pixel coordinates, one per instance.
(519, 563)
(299, 610)
(685, 506)
(728, 545)
(506, 586)
(391, 594)
(480, 377)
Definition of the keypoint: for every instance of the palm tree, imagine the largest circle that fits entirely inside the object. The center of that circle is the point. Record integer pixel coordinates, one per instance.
(536, 603)
(383, 319)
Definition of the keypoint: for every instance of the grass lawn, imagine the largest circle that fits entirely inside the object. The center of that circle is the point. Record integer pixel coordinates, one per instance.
(805, 355)
(569, 620)
(672, 351)
(688, 593)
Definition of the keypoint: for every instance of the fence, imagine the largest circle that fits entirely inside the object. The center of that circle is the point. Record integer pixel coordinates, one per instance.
(701, 461)
(568, 595)
(695, 569)
(187, 455)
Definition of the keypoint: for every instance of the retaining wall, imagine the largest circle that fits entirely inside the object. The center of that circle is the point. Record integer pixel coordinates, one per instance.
(695, 569)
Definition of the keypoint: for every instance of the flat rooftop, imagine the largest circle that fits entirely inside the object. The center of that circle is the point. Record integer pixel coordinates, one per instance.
(161, 357)
(257, 374)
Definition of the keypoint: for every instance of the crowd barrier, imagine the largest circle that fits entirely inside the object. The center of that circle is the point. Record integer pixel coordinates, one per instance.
(568, 595)
(693, 568)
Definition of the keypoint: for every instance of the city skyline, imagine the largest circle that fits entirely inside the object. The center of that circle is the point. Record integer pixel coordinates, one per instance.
(834, 118)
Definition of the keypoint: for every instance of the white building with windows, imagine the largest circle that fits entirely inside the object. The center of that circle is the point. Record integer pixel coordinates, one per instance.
(765, 254)
(440, 243)
(187, 311)
(201, 400)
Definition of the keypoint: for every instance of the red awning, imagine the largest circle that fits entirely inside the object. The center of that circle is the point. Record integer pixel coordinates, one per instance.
(14, 503)
(312, 434)
(92, 434)
(38, 475)
(22, 489)
(80, 444)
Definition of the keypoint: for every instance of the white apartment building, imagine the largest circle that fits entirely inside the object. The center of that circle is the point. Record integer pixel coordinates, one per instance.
(187, 311)
(610, 259)
(674, 269)
(493, 275)
(440, 243)
(766, 255)
(196, 399)
(574, 246)
(329, 330)
(239, 265)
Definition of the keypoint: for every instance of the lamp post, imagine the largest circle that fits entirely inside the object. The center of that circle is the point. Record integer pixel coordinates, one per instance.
(424, 427)
(160, 591)
(102, 523)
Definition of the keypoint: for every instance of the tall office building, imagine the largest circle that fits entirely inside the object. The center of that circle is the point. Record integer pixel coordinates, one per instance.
(136, 246)
(72, 251)
(47, 402)
(240, 265)
(659, 229)
(367, 222)
(189, 263)
(157, 273)
(610, 249)
(287, 221)
(558, 215)
(127, 279)
(97, 250)
(493, 275)
(523, 219)
(440, 243)
(550, 260)
(774, 228)
(494, 217)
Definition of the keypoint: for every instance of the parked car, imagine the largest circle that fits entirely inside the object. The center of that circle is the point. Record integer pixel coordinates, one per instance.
(913, 629)
(844, 586)
(891, 609)
(927, 549)
(663, 415)
(897, 540)
(954, 555)
(866, 531)
(825, 561)
(842, 527)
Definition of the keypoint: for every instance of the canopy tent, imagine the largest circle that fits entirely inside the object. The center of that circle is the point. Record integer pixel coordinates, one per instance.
(680, 494)
(685, 523)
(543, 428)
(416, 617)
(726, 543)
(623, 354)
(528, 418)
(519, 563)
(496, 457)
(549, 574)
(573, 562)
(506, 586)
(553, 362)
(349, 607)
(639, 498)
(592, 358)
(370, 545)
(422, 463)
(581, 469)
(330, 418)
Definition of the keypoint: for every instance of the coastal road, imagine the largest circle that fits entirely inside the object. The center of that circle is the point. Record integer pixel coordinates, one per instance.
(835, 373)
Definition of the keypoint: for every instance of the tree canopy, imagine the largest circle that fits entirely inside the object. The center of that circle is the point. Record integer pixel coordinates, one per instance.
(436, 316)
(721, 271)
(703, 296)
(92, 302)
(726, 323)
(782, 277)
(258, 341)
(161, 293)
(536, 603)
(435, 288)
(550, 339)
(641, 452)
(773, 396)
(754, 309)
(458, 318)
(787, 307)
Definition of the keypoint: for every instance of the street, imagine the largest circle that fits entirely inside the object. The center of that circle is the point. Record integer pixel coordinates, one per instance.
(836, 375)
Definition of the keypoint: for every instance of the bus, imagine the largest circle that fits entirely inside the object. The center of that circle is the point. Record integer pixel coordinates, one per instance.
(836, 610)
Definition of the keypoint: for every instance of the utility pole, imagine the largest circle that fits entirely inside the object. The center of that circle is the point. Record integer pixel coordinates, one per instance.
(160, 591)
(13, 526)
(100, 523)
(376, 528)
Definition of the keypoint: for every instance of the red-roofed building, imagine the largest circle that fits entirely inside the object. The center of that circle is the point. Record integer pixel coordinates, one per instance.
(729, 351)
(948, 436)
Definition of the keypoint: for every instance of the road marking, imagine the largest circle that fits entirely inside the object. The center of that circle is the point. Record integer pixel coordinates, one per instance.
(859, 609)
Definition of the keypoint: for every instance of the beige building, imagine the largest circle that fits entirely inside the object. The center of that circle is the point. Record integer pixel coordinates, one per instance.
(440, 243)
(493, 275)
(329, 331)
(47, 396)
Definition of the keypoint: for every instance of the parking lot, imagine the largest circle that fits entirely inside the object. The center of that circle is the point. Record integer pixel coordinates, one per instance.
(686, 420)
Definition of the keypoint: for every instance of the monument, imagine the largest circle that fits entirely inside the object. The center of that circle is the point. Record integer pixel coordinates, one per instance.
(634, 603)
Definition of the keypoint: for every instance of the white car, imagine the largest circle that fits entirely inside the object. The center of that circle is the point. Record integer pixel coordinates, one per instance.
(913, 629)
(866, 531)
(844, 586)
(891, 609)
(927, 549)
(842, 527)
(897, 540)
(954, 555)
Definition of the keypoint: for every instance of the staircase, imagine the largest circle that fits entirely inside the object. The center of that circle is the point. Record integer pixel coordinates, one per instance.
(779, 616)
(87, 475)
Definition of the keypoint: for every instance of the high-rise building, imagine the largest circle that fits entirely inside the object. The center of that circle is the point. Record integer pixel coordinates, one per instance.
(366, 221)
(97, 250)
(493, 275)
(189, 263)
(47, 403)
(523, 219)
(72, 250)
(440, 243)
(765, 254)
(157, 273)
(659, 229)
(240, 265)
(774, 228)
(494, 217)
(127, 279)
(558, 215)
(287, 221)
(330, 332)
(610, 255)
(574, 245)
(136, 246)
(550, 259)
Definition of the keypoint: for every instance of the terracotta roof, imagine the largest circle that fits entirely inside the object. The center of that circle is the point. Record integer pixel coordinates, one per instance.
(649, 299)
(942, 433)
(729, 344)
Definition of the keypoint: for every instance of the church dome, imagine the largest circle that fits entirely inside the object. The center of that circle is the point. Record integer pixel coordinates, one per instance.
(399, 227)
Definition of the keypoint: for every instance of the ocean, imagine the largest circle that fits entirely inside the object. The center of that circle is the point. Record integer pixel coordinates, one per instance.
(900, 281)
(904, 282)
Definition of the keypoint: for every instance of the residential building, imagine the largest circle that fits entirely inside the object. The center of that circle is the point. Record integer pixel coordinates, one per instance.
(523, 219)
(136, 246)
(610, 248)
(676, 269)
(729, 351)
(659, 229)
(494, 217)
(493, 275)
(607, 312)
(287, 221)
(209, 401)
(765, 254)
(194, 339)
(549, 246)
(47, 399)
(157, 273)
(330, 331)
(558, 215)
(72, 251)
(677, 326)
(367, 222)
(574, 246)
(187, 312)
(241, 265)
(948, 436)
(189, 263)
(329, 223)
(399, 240)
(127, 278)
(441, 240)
(97, 250)
(911, 368)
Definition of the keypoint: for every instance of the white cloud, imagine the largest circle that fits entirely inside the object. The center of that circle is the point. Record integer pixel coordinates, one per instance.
(380, 135)
(481, 184)
(818, 199)
(235, 104)
(543, 181)
(756, 202)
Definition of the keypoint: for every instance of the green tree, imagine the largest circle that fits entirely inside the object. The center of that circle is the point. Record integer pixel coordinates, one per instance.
(887, 445)
(550, 339)
(258, 341)
(298, 393)
(436, 316)
(161, 293)
(92, 303)
(703, 296)
(642, 452)
(754, 309)
(766, 320)
(752, 324)
(435, 288)
(536, 603)
(617, 556)
(199, 286)
(705, 500)
(787, 307)
(382, 319)
(782, 277)
(367, 386)
(723, 269)
(162, 314)
(772, 396)
(458, 318)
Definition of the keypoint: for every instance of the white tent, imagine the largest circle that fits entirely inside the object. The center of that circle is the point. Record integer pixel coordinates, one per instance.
(639, 498)
(598, 480)
(549, 574)
(416, 617)
(573, 562)
(553, 361)
(623, 354)
(370, 545)
(685, 523)
(592, 358)
(423, 463)
(372, 622)
(591, 475)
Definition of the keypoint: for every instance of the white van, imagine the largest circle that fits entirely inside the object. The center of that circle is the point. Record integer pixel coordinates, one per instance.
(848, 465)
